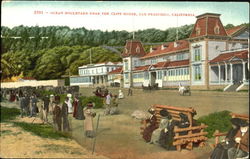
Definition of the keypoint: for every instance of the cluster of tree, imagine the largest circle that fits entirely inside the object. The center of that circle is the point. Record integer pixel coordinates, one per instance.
(53, 63)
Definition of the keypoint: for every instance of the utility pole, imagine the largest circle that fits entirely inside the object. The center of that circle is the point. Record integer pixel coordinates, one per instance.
(90, 58)
(177, 30)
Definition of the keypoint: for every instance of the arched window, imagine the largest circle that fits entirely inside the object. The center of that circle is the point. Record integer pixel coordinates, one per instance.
(198, 30)
(137, 49)
(217, 29)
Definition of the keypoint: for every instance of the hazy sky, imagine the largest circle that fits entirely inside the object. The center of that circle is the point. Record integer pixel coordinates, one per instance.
(111, 14)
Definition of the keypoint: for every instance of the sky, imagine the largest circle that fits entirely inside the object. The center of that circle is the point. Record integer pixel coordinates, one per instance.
(118, 15)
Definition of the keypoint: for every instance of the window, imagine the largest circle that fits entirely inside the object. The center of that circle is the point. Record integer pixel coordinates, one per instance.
(197, 73)
(126, 66)
(153, 61)
(142, 63)
(135, 63)
(198, 30)
(146, 75)
(126, 76)
(187, 71)
(165, 73)
(107, 69)
(173, 72)
(197, 54)
(137, 49)
(159, 75)
(217, 29)
(181, 71)
(179, 56)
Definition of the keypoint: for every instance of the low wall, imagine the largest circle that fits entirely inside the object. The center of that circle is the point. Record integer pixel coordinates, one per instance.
(54, 83)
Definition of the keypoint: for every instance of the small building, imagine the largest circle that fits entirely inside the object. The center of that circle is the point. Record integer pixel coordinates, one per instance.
(94, 74)
(115, 77)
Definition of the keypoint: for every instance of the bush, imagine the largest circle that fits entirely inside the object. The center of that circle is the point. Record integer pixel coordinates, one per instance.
(97, 100)
(8, 113)
(45, 131)
(216, 121)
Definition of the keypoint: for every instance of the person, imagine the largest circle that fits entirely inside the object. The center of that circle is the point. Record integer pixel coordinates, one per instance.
(167, 134)
(241, 147)
(151, 125)
(121, 95)
(130, 92)
(69, 103)
(51, 103)
(165, 117)
(33, 103)
(45, 108)
(220, 151)
(22, 105)
(114, 105)
(57, 117)
(65, 111)
(184, 123)
(88, 122)
(108, 102)
(78, 109)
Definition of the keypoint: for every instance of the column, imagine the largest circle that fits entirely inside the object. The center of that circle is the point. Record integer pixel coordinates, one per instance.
(210, 76)
(219, 72)
(244, 70)
(226, 72)
(231, 72)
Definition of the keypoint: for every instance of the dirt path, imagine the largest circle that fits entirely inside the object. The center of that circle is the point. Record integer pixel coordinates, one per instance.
(17, 143)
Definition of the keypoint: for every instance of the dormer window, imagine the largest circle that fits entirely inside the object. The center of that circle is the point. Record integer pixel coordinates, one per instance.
(198, 31)
(137, 49)
(126, 50)
(216, 29)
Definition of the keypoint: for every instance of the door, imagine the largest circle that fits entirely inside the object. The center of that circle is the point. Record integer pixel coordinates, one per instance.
(152, 78)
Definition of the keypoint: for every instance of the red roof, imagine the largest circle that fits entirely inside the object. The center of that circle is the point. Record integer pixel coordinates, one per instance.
(141, 68)
(169, 48)
(116, 71)
(134, 48)
(164, 64)
(233, 30)
(229, 56)
(206, 23)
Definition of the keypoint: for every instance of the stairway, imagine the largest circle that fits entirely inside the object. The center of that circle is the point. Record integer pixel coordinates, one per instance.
(232, 88)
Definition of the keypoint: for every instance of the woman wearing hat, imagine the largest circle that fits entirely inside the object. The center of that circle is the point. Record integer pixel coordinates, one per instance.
(165, 119)
(88, 122)
(151, 125)
(241, 147)
(220, 151)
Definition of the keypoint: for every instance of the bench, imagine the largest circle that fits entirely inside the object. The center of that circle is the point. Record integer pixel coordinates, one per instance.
(195, 134)
(217, 134)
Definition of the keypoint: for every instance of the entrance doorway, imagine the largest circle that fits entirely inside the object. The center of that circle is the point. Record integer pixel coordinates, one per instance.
(152, 78)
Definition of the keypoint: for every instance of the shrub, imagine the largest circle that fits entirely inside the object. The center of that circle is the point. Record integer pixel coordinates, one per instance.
(216, 121)
(45, 131)
(8, 113)
(97, 100)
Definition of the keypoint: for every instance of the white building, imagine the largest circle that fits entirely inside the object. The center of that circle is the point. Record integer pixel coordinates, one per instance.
(94, 74)
(210, 57)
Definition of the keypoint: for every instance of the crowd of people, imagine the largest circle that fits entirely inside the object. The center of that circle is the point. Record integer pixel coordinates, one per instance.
(235, 145)
(162, 134)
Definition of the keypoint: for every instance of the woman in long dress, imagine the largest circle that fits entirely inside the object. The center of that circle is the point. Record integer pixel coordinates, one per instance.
(78, 109)
(88, 122)
(69, 103)
(221, 150)
(152, 125)
(162, 126)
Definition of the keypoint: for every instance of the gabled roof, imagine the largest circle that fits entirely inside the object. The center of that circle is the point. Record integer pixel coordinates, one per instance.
(206, 23)
(228, 56)
(116, 71)
(234, 30)
(169, 48)
(133, 48)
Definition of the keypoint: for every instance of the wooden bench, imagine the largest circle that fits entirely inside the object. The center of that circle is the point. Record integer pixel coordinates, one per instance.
(217, 134)
(195, 134)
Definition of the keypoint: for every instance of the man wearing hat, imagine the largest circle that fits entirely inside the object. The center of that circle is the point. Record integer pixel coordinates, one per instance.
(241, 148)
(88, 122)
